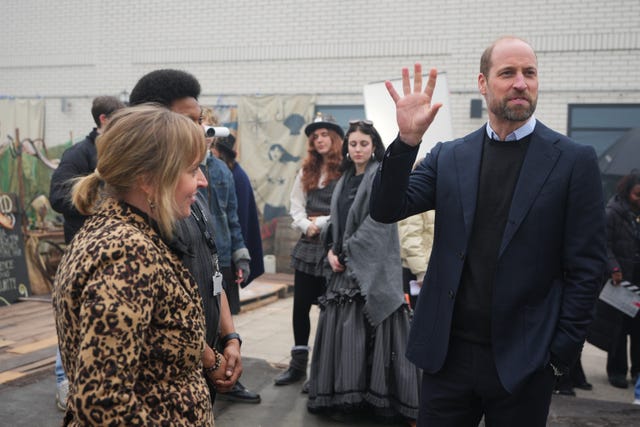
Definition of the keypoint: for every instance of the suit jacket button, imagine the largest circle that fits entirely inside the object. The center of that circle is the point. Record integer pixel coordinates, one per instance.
(451, 294)
(461, 255)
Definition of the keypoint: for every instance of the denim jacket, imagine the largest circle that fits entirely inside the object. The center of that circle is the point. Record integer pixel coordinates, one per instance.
(223, 204)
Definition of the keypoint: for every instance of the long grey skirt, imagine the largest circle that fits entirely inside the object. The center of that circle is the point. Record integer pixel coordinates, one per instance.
(359, 368)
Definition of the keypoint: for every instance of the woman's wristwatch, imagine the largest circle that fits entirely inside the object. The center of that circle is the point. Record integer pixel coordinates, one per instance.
(232, 336)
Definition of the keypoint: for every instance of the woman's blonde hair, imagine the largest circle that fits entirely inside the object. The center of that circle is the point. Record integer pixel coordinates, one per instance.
(143, 144)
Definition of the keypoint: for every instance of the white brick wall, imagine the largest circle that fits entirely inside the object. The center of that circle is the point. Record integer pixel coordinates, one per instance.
(588, 50)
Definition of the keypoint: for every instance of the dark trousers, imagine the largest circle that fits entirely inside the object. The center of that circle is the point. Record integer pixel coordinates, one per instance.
(617, 355)
(306, 290)
(231, 289)
(468, 387)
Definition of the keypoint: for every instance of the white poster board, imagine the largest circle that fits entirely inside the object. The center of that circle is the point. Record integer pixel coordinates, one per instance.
(381, 110)
(624, 296)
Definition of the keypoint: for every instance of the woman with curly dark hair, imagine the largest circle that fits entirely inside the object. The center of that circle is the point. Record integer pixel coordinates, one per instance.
(310, 198)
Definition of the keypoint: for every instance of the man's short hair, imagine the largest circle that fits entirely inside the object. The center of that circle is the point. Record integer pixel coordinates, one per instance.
(485, 59)
(105, 105)
(164, 87)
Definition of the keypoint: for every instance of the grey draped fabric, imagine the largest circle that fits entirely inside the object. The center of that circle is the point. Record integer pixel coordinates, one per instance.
(372, 250)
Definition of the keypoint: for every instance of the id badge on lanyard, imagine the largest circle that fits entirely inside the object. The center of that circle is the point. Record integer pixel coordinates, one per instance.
(217, 278)
(217, 283)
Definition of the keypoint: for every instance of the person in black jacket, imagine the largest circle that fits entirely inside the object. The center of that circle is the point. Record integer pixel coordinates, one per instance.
(623, 252)
(77, 161)
(178, 91)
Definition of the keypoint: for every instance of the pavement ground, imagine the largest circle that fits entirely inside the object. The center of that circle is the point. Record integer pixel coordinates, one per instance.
(27, 397)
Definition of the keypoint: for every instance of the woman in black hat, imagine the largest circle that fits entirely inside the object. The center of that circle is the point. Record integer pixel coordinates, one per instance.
(310, 199)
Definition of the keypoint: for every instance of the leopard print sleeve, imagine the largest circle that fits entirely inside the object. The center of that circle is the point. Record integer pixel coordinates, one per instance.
(116, 314)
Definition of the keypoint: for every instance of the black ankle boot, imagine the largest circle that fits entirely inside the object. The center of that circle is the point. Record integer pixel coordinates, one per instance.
(297, 370)
(290, 376)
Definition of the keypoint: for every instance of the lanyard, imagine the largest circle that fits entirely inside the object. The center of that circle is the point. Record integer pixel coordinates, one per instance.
(202, 222)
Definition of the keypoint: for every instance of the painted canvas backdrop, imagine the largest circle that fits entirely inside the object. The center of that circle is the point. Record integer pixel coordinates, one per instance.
(271, 146)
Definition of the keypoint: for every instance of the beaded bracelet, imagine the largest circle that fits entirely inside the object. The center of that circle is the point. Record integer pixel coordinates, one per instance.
(216, 365)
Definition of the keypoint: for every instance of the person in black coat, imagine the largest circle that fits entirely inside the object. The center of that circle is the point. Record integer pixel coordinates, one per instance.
(623, 251)
(77, 161)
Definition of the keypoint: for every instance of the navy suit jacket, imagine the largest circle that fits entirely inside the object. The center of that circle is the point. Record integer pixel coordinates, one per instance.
(551, 259)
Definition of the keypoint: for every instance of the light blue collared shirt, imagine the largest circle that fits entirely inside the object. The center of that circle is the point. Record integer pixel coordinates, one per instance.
(524, 130)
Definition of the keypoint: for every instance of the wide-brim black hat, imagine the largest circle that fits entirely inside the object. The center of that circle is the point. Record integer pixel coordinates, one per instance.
(226, 143)
(324, 121)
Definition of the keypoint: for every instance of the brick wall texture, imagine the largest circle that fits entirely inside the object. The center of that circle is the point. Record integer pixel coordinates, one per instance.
(72, 51)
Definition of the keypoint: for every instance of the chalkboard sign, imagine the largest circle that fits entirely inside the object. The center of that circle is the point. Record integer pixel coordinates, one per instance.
(14, 279)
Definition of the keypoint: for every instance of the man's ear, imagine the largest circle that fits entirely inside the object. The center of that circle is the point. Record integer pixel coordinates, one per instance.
(103, 120)
(482, 84)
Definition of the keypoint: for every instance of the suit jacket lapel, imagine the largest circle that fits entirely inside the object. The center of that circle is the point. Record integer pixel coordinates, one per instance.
(468, 156)
(539, 161)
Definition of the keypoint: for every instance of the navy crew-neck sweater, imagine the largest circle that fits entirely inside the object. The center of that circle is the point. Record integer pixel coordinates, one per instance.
(499, 172)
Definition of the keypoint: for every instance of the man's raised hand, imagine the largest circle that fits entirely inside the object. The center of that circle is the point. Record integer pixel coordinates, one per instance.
(414, 111)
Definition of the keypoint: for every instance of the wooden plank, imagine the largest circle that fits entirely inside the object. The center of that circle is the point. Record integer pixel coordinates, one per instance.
(23, 309)
(282, 278)
(251, 293)
(35, 346)
(258, 303)
(37, 365)
(26, 313)
(4, 343)
(29, 327)
(8, 376)
(17, 362)
(29, 336)
(29, 324)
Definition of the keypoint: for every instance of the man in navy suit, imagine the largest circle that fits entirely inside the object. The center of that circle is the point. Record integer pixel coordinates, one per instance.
(519, 247)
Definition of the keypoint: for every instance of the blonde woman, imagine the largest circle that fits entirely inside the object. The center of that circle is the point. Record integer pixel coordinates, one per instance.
(129, 316)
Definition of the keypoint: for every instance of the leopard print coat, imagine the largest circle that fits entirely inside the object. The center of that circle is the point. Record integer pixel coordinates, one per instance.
(130, 326)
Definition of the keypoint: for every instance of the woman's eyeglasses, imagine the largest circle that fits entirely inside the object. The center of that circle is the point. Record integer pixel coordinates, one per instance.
(362, 122)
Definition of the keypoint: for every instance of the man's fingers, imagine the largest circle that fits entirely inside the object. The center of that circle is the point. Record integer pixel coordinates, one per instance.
(431, 83)
(392, 91)
(417, 78)
(406, 85)
(431, 114)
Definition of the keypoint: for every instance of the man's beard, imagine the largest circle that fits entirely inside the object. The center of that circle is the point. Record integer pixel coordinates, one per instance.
(515, 114)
